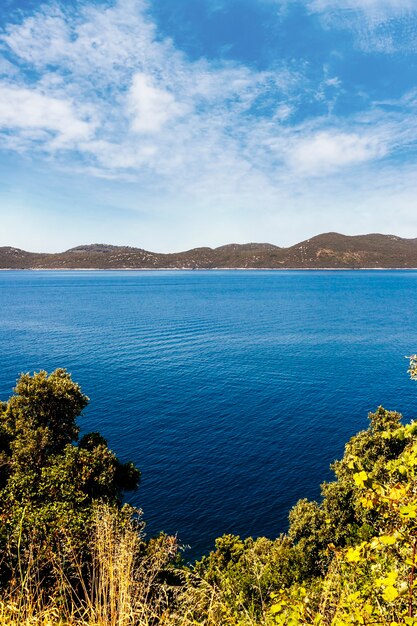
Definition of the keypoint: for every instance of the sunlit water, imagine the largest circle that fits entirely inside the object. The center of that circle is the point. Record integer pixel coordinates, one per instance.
(232, 391)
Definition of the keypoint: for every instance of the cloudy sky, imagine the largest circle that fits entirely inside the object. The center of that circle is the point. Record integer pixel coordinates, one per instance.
(169, 124)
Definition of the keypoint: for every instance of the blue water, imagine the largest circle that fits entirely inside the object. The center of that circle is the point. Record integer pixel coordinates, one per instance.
(232, 391)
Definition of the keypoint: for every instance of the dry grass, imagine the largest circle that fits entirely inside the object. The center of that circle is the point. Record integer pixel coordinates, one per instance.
(123, 587)
(126, 585)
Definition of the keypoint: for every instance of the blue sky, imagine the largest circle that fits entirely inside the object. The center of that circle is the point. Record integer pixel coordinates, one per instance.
(169, 124)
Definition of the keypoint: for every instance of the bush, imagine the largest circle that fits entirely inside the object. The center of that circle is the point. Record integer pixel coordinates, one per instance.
(49, 484)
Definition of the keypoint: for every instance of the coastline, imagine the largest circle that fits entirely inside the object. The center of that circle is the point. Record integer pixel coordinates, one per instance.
(206, 269)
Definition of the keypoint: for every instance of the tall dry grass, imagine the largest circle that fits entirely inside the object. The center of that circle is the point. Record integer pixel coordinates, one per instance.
(129, 582)
(125, 584)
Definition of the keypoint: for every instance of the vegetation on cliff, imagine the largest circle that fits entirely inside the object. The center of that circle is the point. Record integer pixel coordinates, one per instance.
(72, 553)
(328, 250)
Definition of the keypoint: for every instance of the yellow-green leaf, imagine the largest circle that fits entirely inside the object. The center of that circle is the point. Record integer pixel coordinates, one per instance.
(360, 478)
(388, 540)
(409, 511)
(353, 555)
(390, 594)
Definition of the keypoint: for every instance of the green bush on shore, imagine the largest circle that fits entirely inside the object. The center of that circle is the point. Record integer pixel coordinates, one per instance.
(50, 481)
(72, 553)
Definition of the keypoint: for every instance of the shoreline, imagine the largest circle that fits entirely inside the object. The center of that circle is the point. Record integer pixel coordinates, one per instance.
(207, 269)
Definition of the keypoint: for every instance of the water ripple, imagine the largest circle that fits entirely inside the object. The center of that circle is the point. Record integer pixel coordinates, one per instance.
(232, 391)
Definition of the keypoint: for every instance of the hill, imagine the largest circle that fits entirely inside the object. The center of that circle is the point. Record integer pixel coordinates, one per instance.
(329, 250)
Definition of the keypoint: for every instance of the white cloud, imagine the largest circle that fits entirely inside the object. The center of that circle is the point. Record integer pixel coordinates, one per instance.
(381, 8)
(151, 107)
(102, 95)
(283, 112)
(35, 38)
(327, 151)
(28, 110)
(383, 26)
(362, 5)
(189, 119)
(7, 68)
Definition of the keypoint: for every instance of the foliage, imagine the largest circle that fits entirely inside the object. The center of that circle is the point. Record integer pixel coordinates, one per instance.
(413, 366)
(49, 482)
(74, 555)
(123, 585)
(308, 576)
(339, 519)
(234, 582)
(371, 572)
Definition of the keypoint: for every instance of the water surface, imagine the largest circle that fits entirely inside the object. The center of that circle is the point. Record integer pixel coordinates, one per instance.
(232, 391)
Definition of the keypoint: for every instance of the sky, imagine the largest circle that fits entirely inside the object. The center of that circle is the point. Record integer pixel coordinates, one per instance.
(172, 124)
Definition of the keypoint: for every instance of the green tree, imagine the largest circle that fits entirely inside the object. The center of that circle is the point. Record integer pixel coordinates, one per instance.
(49, 481)
(339, 519)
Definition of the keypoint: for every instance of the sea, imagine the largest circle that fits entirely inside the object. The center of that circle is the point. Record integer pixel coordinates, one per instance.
(232, 391)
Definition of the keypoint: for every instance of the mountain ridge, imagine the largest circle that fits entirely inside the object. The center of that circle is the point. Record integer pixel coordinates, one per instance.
(325, 251)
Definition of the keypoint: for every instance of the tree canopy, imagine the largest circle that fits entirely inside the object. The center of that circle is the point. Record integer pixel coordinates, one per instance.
(49, 479)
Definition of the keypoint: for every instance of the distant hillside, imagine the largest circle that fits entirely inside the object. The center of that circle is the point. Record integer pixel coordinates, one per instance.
(329, 250)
